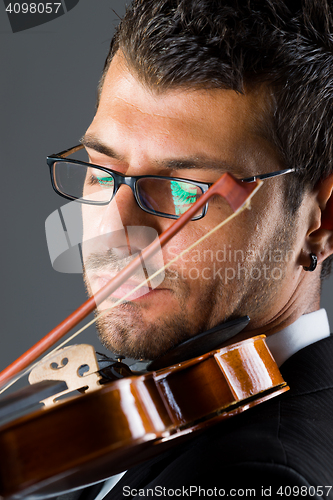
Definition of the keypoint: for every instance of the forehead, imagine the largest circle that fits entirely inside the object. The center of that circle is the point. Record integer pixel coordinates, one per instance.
(194, 121)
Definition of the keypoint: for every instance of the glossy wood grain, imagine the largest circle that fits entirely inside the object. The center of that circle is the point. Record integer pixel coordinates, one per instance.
(93, 436)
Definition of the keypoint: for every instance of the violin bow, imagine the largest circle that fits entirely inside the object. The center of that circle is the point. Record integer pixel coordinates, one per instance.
(238, 195)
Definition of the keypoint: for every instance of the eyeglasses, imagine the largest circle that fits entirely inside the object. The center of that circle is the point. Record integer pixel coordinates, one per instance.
(166, 197)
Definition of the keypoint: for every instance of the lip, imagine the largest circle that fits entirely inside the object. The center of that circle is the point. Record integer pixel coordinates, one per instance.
(127, 289)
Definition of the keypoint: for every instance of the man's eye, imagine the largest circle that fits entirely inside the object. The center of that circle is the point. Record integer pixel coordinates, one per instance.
(105, 181)
(183, 195)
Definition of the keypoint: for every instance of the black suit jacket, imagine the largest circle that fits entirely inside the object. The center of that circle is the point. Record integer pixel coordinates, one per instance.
(282, 448)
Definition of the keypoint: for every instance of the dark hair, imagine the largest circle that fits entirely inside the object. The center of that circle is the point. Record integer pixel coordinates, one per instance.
(237, 44)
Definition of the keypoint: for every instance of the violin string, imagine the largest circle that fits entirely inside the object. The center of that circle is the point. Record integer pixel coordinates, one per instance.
(246, 205)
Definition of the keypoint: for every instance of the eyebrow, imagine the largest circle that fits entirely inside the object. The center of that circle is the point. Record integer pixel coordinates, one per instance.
(89, 141)
(202, 162)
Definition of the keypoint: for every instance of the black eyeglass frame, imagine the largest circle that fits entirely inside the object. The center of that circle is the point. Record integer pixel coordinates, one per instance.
(131, 181)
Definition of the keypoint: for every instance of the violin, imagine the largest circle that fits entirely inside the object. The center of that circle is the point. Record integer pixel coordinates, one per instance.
(127, 421)
(110, 426)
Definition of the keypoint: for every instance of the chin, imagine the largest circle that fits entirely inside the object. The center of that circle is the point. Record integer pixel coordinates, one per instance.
(131, 336)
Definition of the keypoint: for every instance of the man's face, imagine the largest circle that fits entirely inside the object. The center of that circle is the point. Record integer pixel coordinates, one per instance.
(247, 267)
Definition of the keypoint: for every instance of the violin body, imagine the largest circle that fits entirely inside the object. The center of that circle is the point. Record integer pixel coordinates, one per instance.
(92, 436)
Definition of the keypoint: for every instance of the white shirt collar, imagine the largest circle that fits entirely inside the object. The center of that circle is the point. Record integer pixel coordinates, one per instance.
(306, 330)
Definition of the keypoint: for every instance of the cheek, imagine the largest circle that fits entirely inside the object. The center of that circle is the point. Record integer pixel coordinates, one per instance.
(182, 241)
(90, 221)
(226, 247)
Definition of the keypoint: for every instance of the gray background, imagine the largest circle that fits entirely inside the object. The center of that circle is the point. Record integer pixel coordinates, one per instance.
(49, 76)
(48, 84)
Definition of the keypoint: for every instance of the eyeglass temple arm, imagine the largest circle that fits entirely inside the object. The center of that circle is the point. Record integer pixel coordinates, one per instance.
(67, 152)
(270, 174)
(234, 191)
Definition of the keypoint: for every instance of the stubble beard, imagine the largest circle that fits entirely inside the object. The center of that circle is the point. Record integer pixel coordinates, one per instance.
(126, 332)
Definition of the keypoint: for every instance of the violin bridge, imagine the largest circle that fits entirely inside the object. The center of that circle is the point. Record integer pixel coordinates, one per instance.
(76, 365)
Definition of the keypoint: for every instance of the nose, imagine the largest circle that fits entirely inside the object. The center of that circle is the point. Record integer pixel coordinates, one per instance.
(121, 211)
(124, 226)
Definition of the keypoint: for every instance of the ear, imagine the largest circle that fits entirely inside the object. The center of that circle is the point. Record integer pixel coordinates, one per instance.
(320, 237)
(326, 194)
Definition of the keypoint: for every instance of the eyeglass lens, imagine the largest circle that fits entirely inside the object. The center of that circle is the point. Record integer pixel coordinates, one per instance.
(154, 194)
